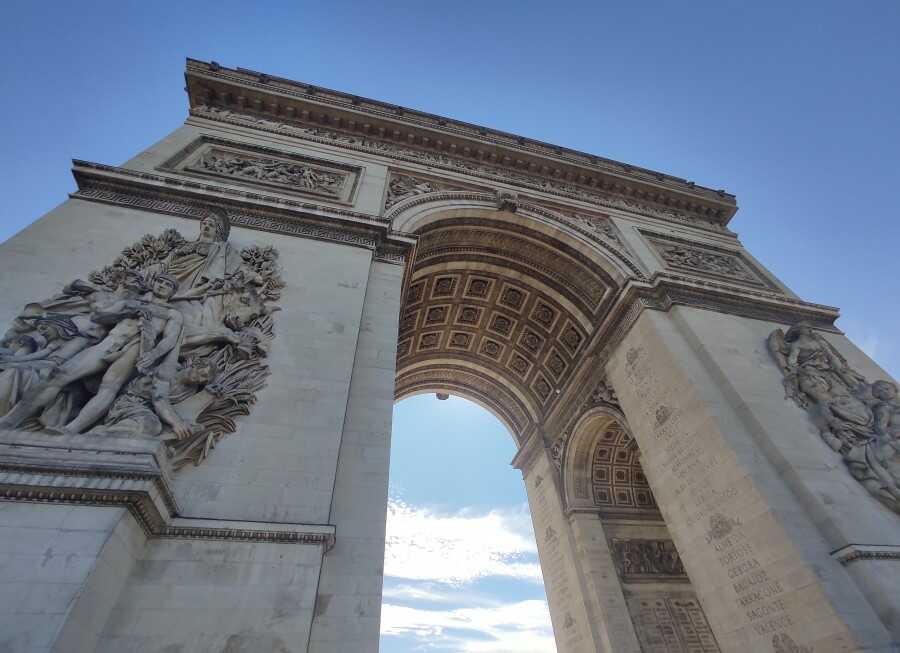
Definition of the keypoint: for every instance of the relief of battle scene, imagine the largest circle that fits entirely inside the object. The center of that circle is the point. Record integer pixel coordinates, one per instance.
(167, 342)
(858, 419)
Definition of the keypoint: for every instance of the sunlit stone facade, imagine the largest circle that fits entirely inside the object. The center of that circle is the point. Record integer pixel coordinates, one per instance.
(204, 346)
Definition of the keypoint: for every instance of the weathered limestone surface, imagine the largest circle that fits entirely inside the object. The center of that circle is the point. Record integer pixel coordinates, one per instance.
(63, 568)
(348, 606)
(419, 254)
(577, 625)
(747, 536)
(216, 596)
(279, 466)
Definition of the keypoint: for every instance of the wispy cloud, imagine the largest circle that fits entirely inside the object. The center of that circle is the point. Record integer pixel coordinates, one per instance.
(432, 562)
(459, 547)
(520, 627)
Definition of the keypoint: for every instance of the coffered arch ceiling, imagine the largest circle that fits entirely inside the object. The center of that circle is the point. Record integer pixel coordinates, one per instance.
(601, 469)
(499, 311)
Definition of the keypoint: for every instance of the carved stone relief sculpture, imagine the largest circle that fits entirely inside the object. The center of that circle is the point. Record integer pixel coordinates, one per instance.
(466, 166)
(271, 171)
(705, 260)
(263, 166)
(402, 186)
(646, 559)
(858, 419)
(167, 342)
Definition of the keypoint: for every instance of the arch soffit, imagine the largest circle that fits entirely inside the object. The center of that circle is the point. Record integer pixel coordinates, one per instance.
(476, 367)
(601, 470)
(474, 382)
(466, 394)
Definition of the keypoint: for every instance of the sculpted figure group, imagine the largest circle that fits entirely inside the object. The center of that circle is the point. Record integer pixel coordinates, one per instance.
(858, 419)
(166, 342)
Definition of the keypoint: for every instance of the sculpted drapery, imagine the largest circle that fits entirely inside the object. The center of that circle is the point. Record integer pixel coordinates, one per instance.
(858, 419)
(169, 342)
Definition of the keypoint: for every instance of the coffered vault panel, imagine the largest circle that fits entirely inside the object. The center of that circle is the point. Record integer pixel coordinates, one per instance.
(499, 313)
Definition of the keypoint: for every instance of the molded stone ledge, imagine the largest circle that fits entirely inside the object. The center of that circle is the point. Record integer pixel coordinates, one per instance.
(129, 472)
(854, 552)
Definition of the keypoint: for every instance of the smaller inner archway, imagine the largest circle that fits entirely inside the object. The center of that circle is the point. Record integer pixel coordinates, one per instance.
(602, 469)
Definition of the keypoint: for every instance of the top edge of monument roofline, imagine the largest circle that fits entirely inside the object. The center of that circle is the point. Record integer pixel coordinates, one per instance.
(715, 205)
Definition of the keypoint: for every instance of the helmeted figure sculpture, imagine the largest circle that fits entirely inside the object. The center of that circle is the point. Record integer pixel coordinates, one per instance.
(859, 420)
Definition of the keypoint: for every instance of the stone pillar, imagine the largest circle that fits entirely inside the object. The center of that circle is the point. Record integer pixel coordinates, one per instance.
(587, 607)
(744, 509)
(603, 583)
(63, 568)
(348, 605)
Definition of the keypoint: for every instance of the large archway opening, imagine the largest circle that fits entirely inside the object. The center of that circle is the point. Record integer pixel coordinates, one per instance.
(461, 569)
(504, 304)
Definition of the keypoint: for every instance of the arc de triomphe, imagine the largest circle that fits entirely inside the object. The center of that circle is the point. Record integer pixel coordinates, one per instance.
(204, 346)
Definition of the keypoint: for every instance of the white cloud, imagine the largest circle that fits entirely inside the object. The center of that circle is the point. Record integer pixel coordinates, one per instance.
(457, 548)
(521, 627)
(428, 592)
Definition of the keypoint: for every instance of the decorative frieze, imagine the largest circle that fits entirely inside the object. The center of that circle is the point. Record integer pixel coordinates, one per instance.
(402, 186)
(260, 166)
(647, 560)
(434, 159)
(185, 197)
(705, 260)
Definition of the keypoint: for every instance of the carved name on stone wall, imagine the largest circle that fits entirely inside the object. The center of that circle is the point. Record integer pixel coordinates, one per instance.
(858, 419)
(705, 260)
(647, 560)
(266, 167)
(167, 342)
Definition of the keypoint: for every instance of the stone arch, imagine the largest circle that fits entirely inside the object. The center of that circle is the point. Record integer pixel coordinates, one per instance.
(499, 303)
(601, 470)
(412, 214)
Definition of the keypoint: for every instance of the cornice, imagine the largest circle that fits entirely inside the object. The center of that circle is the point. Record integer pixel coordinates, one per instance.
(855, 552)
(189, 198)
(666, 290)
(468, 146)
(130, 474)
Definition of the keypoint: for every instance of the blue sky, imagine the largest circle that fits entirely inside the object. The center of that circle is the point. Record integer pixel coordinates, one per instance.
(792, 106)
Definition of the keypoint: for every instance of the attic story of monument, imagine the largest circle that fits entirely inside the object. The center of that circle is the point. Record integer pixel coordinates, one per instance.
(207, 368)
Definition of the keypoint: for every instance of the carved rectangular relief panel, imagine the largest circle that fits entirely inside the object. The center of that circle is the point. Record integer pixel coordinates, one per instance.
(671, 623)
(704, 260)
(647, 560)
(261, 166)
